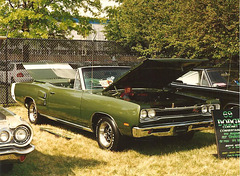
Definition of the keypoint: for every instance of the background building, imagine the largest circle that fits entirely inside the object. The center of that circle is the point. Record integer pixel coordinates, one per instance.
(98, 33)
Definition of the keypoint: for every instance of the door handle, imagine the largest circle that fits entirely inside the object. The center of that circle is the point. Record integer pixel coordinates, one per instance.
(52, 93)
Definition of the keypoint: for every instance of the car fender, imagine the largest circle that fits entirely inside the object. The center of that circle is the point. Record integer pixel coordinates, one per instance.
(124, 114)
(24, 92)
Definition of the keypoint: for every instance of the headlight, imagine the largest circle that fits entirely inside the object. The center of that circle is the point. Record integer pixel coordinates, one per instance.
(204, 109)
(147, 113)
(151, 113)
(143, 114)
(4, 136)
(22, 134)
(211, 108)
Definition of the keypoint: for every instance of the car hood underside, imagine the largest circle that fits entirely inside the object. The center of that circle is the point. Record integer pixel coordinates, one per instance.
(155, 73)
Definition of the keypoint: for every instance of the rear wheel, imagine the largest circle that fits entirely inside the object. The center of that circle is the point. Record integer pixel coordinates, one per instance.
(33, 115)
(108, 135)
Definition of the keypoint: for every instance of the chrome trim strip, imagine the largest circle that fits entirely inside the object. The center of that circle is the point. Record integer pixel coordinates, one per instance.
(81, 79)
(208, 78)
(17, 150)
(13, 91)
(182, 116)
(176, 108)
(143, 132)
(68, 123)
(202, 76)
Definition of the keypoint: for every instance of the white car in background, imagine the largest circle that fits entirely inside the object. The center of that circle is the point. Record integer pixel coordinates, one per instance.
(15, 71)
(204, 77)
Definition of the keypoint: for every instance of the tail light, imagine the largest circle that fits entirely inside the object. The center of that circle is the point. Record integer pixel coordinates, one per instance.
(19, 75)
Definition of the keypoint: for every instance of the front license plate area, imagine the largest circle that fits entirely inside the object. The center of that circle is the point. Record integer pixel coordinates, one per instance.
(181, 129)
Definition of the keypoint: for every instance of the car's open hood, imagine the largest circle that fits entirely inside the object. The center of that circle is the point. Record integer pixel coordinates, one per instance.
(155, 73)
(46, 71)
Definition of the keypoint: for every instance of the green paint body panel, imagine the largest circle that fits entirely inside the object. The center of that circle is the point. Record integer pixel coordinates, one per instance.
(78, 106)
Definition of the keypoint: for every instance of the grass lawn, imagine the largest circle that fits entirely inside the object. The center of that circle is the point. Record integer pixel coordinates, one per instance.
(153, 156)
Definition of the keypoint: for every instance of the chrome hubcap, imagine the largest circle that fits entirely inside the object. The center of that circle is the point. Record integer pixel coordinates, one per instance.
(32, 113)
(105, 134)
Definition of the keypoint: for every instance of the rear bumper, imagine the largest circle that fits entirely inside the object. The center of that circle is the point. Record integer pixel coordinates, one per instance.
(13, 154)
(171, 129)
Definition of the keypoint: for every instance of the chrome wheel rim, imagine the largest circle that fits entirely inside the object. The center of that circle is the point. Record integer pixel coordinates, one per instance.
(105, 134)
(32, 113)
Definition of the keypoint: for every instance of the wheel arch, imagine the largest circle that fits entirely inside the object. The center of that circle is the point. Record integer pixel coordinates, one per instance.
(97, 116)
(27, 100)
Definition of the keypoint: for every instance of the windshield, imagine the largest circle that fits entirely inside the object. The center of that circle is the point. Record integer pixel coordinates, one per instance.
(216, 77)
(101, 77)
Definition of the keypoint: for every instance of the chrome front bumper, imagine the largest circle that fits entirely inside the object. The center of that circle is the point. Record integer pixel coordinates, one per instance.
(171, 129)
(13, 154)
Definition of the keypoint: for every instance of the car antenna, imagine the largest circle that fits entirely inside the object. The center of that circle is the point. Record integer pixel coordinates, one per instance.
(92, 74)
(93, 39)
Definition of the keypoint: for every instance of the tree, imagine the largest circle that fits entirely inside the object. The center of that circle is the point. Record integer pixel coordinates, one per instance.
(46, 18)
(169, 28)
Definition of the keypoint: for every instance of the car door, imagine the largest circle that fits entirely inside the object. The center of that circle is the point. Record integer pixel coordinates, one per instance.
(65, 103)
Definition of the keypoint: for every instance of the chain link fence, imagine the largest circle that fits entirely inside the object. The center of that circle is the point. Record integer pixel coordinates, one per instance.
(14, 52)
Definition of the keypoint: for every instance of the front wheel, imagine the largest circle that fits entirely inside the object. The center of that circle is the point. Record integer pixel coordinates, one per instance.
(33, 115)
(108, 135)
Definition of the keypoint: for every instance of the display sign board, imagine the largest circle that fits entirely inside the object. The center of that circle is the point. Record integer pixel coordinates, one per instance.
(227, 131)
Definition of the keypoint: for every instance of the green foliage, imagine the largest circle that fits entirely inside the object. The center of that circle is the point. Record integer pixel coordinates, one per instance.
(169, 28)
(45, 18)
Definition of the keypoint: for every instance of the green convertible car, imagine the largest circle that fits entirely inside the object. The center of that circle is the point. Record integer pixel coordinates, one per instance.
(115, 101)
